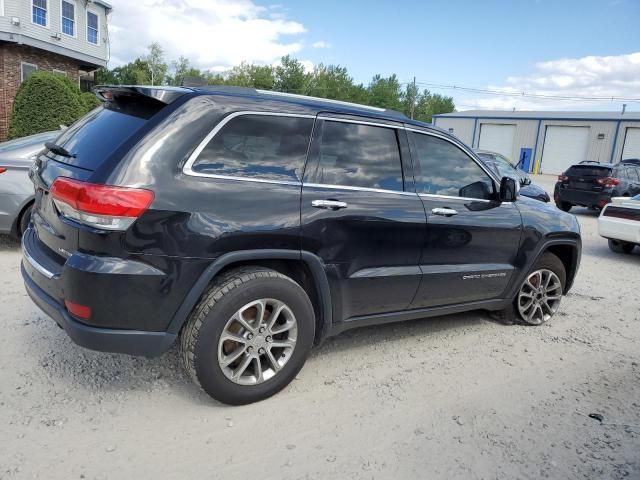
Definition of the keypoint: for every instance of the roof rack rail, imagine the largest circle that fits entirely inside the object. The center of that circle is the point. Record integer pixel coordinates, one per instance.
(328, 100)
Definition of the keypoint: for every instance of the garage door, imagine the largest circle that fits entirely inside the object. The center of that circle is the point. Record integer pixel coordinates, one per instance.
(497, 138)
(563, 146)
(631, 144)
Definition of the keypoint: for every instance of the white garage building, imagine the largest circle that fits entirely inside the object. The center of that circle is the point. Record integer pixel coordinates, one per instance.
(548, 142)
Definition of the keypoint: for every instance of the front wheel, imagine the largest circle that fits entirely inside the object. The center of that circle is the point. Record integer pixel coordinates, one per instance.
(249, 336)
(539, 296)
(564, 206)
(619, 246)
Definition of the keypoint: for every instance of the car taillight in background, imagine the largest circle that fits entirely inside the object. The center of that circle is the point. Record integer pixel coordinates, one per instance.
(105, 207)
(562, 178)
(608, 181)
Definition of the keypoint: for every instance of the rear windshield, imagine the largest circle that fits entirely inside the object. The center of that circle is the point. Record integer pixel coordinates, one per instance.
(93, 138)
(588, 171)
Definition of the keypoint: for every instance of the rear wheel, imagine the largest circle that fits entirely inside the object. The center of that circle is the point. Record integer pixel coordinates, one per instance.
(564, 206)
(25, 219)
(249, 336)
(539, 296)
(619, 246)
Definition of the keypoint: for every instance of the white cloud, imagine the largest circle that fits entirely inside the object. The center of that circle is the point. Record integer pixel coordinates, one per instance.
(321, 44)
(213, 34)
(591, 76)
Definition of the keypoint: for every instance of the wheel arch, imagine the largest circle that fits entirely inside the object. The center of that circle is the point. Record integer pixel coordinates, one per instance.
(304, 267)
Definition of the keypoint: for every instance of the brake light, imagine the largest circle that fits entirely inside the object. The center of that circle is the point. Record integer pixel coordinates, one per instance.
(106, 207)
(3, 169)
(608, 181)
(77, 310)
(562, 178)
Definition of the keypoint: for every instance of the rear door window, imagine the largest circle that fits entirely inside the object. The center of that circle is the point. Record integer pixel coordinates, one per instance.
(357, 155)
(96, 136)
(266, 147)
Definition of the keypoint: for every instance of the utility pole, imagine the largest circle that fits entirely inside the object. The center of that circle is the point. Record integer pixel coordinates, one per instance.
(414, 97)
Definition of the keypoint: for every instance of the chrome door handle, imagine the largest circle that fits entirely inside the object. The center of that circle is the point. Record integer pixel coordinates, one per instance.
(329, 204)
(445, 212)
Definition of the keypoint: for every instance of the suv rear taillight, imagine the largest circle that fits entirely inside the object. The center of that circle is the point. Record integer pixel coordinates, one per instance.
(106, 207)
(608, 181)
(562, 178)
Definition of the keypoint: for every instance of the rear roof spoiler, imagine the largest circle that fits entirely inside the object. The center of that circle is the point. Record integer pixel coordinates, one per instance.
(164, 95)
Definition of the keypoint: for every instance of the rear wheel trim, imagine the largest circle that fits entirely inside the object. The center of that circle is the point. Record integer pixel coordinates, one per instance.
(539, 296)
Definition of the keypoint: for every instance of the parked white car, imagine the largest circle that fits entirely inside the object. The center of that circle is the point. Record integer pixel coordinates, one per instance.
(619, 222)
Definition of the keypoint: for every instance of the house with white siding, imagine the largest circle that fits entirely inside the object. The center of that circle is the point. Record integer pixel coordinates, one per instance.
(67, 37)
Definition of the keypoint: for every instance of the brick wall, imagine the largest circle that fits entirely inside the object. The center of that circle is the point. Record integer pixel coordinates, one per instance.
(11, 57)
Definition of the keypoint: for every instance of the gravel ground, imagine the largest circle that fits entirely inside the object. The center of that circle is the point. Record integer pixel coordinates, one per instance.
(452, 397)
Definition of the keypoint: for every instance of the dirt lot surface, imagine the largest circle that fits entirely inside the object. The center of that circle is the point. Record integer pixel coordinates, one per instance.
(452, 397)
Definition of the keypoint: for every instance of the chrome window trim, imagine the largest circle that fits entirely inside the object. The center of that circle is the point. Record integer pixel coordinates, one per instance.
(188, 166)
(357, 189)
(32, 261)
(188, 170)
(359, 122)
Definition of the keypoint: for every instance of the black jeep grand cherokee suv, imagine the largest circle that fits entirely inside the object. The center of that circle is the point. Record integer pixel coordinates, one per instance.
(249, 226)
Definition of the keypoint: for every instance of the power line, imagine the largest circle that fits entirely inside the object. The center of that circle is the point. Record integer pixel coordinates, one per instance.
(486, 91)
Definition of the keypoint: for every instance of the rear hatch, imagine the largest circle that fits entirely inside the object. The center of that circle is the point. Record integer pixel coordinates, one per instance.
(96, 140)
(585, 177)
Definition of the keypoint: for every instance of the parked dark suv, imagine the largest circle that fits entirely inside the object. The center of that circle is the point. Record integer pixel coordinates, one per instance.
(249, 226)
(592, 184)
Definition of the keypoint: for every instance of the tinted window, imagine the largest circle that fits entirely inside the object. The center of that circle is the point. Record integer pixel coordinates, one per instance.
(359, 156)
(588, 171)
(444, 169)
(95, 137)
(258, 146)
(634, 173)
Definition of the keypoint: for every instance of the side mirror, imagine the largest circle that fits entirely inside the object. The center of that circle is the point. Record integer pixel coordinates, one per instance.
(509, 188)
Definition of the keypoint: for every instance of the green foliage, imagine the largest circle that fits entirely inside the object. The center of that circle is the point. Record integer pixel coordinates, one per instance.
(44, 102)
(89, 101)
(290, 76)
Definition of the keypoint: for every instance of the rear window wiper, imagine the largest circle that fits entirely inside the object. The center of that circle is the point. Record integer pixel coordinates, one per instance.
(58, 150)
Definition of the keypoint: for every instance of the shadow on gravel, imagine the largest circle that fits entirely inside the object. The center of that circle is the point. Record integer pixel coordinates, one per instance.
(98, 374)
(7, 243)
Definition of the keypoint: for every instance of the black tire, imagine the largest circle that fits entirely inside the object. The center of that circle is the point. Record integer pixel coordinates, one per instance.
(24, 220)
(201, 334)
(619, 246)
(564, 206)
(546, 261)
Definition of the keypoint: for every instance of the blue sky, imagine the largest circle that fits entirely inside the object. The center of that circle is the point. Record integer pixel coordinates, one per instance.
(562, 47)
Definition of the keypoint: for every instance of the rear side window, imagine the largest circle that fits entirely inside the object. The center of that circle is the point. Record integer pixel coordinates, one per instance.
(263, 147)
(356, 155)
(588, 171)
(96, 136)
(444, 169)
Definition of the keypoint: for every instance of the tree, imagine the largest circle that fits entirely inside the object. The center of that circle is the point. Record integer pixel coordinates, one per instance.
(432, 104)
(290, 76)
(182, 68)
(385, 92)
(44, 102)
(156, 63)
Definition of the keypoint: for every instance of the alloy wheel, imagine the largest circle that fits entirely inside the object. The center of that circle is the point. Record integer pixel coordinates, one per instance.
(257, 341)
(539, 296)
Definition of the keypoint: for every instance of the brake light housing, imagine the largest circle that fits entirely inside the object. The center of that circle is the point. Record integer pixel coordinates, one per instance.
(106, 207)
(562, 178)
(608, 181)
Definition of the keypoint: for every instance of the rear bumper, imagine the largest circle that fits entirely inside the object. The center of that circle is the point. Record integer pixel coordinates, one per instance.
(132, 342)
(583, 197)
(619, 229)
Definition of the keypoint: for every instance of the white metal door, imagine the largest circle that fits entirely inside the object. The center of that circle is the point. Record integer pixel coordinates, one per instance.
(631, 147)
(563, 146)
(498, 138)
